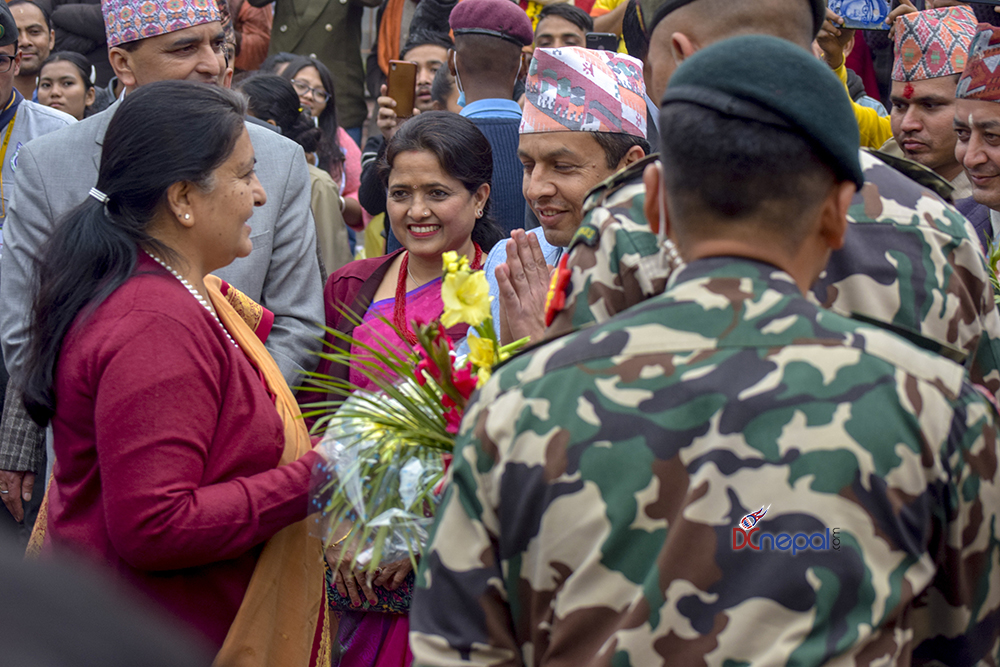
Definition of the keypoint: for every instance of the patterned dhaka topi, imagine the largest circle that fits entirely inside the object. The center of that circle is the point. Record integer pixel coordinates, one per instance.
(132, 20)
(981, 79)
(933, 43)
(572, 89)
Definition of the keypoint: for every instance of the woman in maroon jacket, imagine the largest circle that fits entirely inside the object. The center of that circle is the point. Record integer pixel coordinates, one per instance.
(170, 422)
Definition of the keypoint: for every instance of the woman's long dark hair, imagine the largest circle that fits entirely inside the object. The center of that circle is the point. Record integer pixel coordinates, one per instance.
(163, 133)
(329, 151)
(272, 97)
(463, 151)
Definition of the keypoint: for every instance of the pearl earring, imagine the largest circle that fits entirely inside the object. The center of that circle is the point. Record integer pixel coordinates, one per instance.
(479, 213)
(187, 216)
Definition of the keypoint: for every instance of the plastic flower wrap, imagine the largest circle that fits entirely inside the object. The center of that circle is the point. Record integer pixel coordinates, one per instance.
(388, 489)
(386, 450)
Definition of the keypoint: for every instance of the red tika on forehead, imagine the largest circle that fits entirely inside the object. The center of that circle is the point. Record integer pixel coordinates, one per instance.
(908, 91)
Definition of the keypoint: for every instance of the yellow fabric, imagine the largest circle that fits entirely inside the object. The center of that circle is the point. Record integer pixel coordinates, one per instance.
(374, 241)
(533, 10)
(277, 621)
(875, 130)
(602, 7)
(37, 538)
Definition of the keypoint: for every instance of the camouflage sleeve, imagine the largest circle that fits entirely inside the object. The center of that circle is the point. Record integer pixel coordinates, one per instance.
(615, 261)
(963, 604)
(914, 263)
(985, 366)
(465, 618)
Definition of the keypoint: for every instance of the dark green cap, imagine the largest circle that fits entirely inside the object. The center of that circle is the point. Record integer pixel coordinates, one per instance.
(8, 28)
(773, 81)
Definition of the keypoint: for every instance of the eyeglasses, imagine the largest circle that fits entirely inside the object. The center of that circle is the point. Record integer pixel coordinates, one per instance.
(6, 62)
(301, 87)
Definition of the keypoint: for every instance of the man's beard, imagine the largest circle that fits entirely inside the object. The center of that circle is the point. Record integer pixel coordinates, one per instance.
(25, 72)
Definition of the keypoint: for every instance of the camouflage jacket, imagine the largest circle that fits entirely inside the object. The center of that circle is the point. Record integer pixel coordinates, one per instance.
(599, 484)
(910, 261)
(614, 259)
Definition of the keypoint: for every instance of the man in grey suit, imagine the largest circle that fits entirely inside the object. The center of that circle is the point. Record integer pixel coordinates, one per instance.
(55, 173)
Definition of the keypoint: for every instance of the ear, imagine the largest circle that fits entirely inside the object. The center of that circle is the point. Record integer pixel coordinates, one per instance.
(522, 73)
(227, 78)
(634, 155)
(652, 178)
(179, 202)
(849, 46)
(451, 62)
(270, 121)
(90, 97)
(17, 63)
(833, 218)
(681, 47)
(121, 63)
(481, 195)
(52, 39)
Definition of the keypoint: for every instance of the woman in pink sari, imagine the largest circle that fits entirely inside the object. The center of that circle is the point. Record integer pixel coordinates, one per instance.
(437, 170)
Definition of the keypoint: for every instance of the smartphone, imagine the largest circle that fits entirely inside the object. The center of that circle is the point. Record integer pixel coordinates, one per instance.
(402, 86)
(602, 41)
(862, 14)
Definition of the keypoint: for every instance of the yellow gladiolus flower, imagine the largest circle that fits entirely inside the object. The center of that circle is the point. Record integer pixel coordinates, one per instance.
(450, 260)
(466, 298)
(483, 375)
(481, 352)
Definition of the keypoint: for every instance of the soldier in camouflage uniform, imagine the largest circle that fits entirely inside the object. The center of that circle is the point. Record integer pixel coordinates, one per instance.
(726, 474)
(911, 261)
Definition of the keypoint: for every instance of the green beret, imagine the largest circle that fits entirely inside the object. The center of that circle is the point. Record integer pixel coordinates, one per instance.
(8, 28)
(773, 81)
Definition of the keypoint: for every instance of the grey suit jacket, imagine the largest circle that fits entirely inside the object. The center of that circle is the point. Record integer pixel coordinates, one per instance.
(55, 173)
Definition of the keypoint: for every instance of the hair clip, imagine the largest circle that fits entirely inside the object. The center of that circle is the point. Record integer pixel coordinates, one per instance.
(98, 195)
(93, 74)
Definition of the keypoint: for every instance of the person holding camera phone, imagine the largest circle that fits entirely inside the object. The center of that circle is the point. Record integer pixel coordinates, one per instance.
(428, 51)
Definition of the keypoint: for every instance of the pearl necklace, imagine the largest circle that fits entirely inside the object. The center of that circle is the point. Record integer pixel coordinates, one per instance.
(195, 293)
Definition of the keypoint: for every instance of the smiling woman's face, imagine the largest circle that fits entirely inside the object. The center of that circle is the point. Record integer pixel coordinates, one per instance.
(310, 77)
(430, 211)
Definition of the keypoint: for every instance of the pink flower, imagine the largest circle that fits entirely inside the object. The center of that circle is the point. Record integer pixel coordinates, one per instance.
(452, 419)
(430, 367)
(465, 381)
(446, 461)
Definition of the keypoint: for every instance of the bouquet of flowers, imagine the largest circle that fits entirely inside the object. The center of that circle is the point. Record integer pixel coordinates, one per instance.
(386, 450)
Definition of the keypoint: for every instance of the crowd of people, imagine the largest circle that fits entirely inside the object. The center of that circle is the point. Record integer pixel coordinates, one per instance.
(755, 421)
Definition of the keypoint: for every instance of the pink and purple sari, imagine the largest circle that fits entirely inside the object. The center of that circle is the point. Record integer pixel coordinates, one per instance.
(377, 639)
(423, 304)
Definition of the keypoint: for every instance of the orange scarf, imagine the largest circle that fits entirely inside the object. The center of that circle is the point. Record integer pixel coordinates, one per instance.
(284, 612)
(388, 34)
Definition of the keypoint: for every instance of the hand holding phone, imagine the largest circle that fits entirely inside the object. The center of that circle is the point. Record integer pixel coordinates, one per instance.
(402, 86)
(602, 41)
